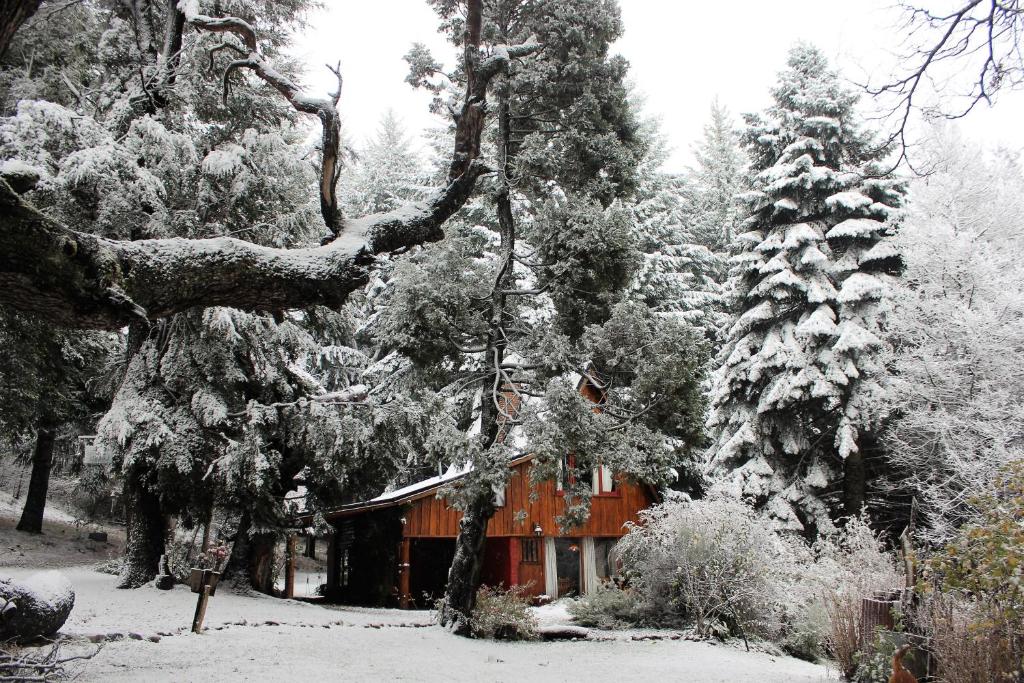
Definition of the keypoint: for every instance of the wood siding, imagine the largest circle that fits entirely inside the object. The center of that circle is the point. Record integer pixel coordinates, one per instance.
(429, 516)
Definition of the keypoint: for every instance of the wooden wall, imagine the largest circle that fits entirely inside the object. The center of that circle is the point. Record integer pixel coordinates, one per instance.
(432, 517)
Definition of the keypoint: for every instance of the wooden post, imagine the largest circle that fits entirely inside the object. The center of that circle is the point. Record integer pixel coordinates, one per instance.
(197, 620)
(289, 566)
(404, 569)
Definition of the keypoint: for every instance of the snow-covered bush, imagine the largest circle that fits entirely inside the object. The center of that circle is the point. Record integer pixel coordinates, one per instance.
(503, 614)
(608, 608)
(719, 566)
(850, 565)
(714, 564)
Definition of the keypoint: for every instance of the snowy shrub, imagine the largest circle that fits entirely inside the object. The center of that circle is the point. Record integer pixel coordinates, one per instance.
(714, 564)
(974, 607)
(808, 631)
(850, 565)
(609, 608)
(502, 614)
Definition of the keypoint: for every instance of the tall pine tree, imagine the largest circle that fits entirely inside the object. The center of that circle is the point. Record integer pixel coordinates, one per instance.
(802, 389)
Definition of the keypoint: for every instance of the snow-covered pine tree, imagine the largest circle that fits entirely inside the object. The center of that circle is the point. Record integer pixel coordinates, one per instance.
(678, 275)
(802, 390)
(718, 179)
(387, 172)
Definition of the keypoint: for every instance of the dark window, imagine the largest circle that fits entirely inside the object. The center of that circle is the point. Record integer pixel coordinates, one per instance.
(530, 550)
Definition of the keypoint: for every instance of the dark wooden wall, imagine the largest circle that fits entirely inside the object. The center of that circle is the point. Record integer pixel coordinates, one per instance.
(432, 517)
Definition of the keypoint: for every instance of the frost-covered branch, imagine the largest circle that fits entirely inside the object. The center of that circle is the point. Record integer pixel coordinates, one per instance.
(75, 279)
(81, 280)
(980, 38)
(324, 108)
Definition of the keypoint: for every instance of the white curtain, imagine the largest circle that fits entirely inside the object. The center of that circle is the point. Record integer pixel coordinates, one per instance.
(550, 568)
(589, 559)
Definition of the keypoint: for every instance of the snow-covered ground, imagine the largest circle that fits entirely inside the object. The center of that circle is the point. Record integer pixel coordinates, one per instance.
(145, 637)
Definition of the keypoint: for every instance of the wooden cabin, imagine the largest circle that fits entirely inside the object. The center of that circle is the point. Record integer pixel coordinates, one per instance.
(396, 549)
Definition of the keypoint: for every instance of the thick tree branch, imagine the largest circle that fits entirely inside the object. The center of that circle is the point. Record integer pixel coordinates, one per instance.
(81, 280)
(14, 13)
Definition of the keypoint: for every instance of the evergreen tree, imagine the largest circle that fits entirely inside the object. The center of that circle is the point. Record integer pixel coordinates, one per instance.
(218, 406)
(802, 390)
(497, 316)
(51, 390)
(678, 275)
(718, 180)
(387, 173)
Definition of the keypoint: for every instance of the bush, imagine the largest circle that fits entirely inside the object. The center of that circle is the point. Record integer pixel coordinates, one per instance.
(502, 614)
(112, 566)
(973, 606)
(971, 642)
(850, 564)
(713, 564)
(609, 608)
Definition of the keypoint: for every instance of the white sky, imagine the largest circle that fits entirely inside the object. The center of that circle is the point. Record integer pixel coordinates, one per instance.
(682, 54)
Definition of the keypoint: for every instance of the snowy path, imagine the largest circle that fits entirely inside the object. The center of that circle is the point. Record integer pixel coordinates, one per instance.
(308, 642)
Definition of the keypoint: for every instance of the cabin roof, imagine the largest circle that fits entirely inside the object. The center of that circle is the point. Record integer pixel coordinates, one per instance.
(411, 492)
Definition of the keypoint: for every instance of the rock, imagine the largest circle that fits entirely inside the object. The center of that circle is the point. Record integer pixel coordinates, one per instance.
(154, 639)
(135, 636)
(100, 536)
(563, 633)
(42, 603)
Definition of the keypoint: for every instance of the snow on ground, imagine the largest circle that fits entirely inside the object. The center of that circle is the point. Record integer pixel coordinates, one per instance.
(64, 541)
(261, 638)
(145, 637)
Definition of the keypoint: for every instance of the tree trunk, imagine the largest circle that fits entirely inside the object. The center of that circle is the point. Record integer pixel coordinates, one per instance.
(35, 502)
(14, 13)
(854, 484)
(146, 531)
(252, 558)
(464, 575)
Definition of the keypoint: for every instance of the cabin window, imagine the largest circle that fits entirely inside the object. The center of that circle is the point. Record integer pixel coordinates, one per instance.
(607, 479)
(530, 550)
(604, 560)
(567, 477)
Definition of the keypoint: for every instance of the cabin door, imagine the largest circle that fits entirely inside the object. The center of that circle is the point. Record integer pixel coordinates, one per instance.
(567, 563)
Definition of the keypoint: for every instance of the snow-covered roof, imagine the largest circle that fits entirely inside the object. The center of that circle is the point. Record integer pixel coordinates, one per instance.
(412, 491)
(453, 472)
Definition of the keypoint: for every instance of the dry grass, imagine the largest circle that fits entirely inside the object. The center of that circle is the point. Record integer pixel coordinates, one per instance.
(844, 629)
(972, 643)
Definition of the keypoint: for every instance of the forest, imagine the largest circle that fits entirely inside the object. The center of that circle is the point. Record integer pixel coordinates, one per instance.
(765, 412)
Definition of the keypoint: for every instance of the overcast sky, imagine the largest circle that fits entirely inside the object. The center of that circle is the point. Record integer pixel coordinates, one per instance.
(682, 55)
